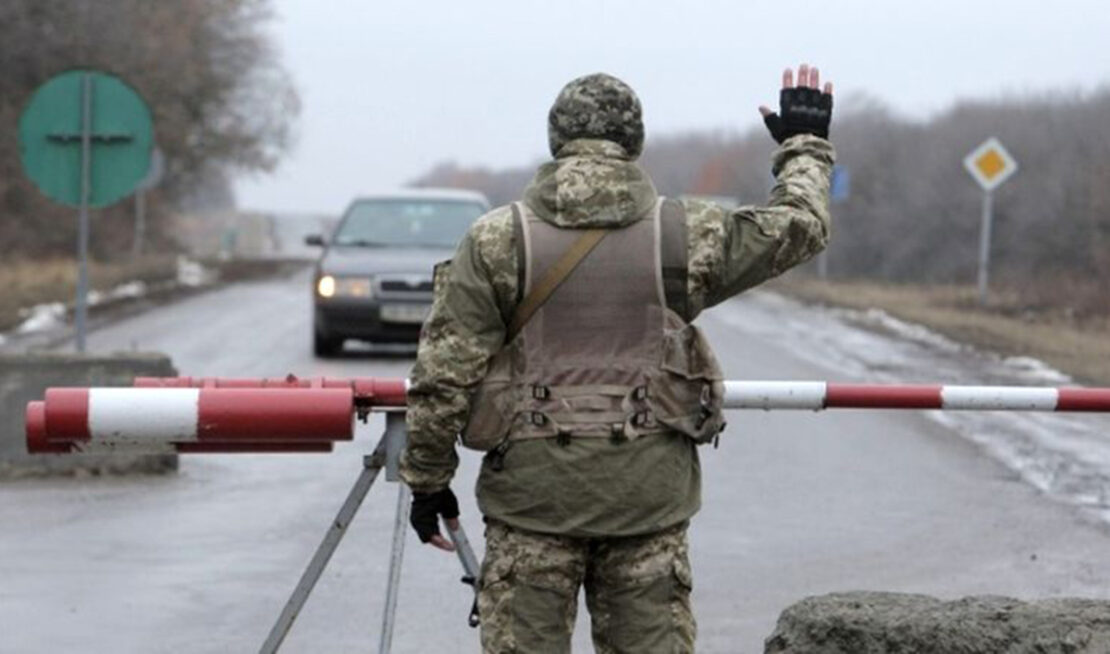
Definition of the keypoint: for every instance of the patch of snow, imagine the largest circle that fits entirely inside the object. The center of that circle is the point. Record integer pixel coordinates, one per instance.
(42, 317)
(909, 331)
(132, 289)
(192, 273)
(1036, 371)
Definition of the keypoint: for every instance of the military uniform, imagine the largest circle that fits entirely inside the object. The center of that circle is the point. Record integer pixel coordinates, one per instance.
(606, 513)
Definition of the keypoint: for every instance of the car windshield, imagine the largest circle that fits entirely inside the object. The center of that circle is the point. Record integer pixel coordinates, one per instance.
(407, 222)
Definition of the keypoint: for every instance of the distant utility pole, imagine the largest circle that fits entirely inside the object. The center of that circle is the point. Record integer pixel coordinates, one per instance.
(990, 165)
(840, 187)
(153, 177)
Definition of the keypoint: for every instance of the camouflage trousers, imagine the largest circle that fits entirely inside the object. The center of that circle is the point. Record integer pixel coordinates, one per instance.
(637, 592)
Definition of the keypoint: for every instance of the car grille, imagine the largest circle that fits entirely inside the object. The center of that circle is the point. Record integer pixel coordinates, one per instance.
(408, 286)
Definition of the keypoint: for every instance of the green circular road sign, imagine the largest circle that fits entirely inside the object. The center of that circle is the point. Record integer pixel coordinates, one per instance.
(53, 128)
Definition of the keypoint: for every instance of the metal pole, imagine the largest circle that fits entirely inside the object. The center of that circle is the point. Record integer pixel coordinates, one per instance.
(396, 556)
(464, 551)
(396, 433)
(470, 565)
(371, 466)
(80, 308)
(823, 265)
(985, 247)
(140, 224)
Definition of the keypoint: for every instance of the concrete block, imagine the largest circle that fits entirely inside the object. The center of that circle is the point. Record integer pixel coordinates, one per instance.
(885, 623)
(25, 377)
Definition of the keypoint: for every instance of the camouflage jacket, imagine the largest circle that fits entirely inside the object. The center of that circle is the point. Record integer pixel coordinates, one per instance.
(593, 184)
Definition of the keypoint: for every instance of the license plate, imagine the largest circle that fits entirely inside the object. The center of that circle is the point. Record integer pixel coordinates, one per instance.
(406, 313)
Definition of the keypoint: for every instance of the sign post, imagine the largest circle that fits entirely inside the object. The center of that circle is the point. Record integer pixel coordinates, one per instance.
(112, 129)
(990, 165)
(80, 305)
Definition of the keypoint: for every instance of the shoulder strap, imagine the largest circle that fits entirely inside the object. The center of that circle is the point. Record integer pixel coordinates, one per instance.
(673, 255)
(520, 252)
(553, 277)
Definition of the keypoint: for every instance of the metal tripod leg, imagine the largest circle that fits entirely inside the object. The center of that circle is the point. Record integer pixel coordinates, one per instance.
(396, 555)
(386, 455)
(371, 466)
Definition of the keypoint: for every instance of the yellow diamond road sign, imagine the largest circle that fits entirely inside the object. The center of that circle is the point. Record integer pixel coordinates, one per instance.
(990, 164)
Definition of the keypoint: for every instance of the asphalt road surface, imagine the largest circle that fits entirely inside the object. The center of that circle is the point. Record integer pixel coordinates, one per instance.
(795, 504)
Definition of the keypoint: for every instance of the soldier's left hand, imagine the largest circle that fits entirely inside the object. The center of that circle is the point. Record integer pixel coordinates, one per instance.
(804, 108)
(426, 509)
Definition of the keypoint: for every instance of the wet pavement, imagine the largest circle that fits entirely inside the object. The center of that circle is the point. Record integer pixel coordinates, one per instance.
(794, 503)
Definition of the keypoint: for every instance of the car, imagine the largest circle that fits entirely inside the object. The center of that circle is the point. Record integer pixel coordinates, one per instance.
(373, 280)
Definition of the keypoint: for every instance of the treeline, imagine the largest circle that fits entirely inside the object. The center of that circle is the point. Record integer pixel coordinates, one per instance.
(913, 211)
(220, 100)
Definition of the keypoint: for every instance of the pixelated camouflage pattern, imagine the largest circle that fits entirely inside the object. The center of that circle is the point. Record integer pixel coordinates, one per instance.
(591, 184)
(475, 295)
(728, 252)
(597, 106)
(637, 590)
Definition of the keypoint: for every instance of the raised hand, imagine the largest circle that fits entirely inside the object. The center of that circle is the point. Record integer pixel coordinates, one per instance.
(805, 109)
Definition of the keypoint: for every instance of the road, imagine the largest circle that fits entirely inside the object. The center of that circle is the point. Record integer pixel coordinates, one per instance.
(795, 504)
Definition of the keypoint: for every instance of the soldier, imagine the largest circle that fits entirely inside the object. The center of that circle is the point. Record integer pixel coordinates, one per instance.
(560, 343)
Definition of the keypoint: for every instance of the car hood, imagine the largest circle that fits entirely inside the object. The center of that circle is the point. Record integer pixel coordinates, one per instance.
(348, 260)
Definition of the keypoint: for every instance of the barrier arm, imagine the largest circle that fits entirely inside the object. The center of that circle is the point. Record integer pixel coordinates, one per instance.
(192, 415)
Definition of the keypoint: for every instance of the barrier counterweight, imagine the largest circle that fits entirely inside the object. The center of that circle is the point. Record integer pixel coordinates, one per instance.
(190, 420)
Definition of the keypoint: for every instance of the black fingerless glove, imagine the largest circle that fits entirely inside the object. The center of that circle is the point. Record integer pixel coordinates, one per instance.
(804, 111)
(426, 509)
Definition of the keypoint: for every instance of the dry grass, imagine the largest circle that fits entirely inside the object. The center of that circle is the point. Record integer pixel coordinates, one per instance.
(1009, 325)
(26, 283)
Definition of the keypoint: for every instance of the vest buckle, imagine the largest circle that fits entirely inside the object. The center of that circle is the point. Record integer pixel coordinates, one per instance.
(496, 456)
(640, 393)
(703, 416)
(537, 418)
(540, 392)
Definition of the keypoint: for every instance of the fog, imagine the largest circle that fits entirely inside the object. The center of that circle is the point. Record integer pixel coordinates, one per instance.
(390, 89)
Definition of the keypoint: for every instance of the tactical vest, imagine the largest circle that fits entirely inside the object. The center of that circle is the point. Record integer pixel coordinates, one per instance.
(607, 355)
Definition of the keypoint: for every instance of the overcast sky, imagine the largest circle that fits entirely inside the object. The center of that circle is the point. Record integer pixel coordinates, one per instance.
(390, 88)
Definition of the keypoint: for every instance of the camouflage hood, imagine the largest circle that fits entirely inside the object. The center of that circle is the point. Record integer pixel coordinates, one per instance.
(591, 183)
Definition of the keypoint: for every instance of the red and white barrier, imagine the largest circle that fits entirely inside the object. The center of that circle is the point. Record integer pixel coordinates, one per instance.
(190, 419)
(367, 391)
(208, 415)
(816, 396)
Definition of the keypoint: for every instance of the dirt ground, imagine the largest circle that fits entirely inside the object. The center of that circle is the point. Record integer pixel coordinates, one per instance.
(1009, 324)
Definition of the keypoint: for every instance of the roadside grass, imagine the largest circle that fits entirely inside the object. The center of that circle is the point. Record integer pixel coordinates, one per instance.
(1012, 324)
(25, 283)
(28, 282)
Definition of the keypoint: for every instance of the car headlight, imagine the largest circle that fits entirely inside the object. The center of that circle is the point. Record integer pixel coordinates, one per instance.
(358, 287)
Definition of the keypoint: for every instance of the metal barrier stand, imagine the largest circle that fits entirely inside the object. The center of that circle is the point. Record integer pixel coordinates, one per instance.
(386, 455)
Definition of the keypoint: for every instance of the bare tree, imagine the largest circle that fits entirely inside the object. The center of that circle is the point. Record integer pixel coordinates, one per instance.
(222, 103)
(912, 214)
